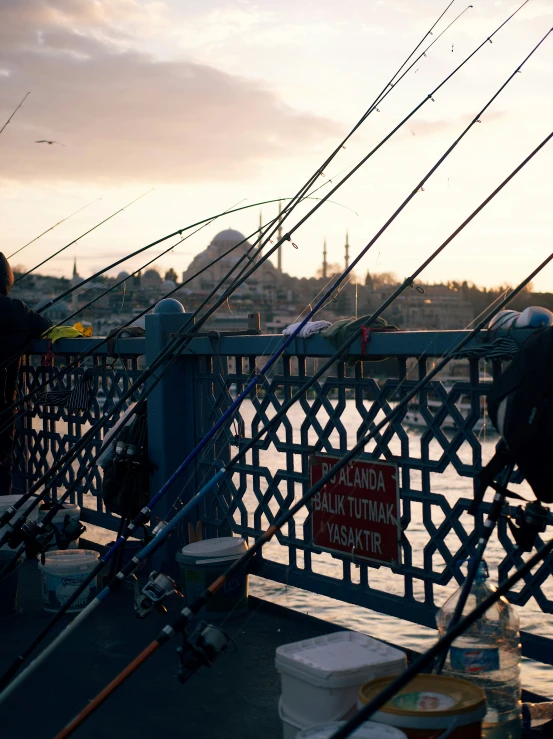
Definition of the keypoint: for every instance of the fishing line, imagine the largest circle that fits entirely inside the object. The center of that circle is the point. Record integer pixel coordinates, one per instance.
(46, 307)
(287, 236)
(55, 254)
(59, 467)
(391, 84)
(52, 228)
(145, 248)
(14, 112)
(180, 623)
(273, 359)
(160, 537)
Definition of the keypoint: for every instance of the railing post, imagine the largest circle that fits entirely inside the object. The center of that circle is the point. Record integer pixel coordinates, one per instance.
(171, 427)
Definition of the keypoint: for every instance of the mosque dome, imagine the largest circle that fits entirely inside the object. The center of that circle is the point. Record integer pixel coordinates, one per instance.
(168, 285)
(227, 235)
(122, 276)
(225, 240)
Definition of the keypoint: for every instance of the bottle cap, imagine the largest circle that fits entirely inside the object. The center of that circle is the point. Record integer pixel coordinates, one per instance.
(482, 573)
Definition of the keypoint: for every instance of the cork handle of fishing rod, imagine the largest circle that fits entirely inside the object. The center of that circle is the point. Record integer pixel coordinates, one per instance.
(108, 690)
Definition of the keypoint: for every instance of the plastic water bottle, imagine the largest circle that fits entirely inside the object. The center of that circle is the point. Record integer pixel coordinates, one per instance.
(488, 654)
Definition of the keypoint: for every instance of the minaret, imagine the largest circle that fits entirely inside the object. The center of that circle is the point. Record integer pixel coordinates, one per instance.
(279, 237)
(324, 261)
(75, 273)
(347, 251)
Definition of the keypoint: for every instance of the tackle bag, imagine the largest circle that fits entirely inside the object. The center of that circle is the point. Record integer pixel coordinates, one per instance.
(126, 483)
(520, 405)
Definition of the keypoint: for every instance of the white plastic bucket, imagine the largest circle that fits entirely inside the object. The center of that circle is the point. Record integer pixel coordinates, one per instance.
(62, 573)
(5, 502)
(71, 509)
(321, 677)
(294, 729)
(202, 562)
(291, 727)
(368, 730)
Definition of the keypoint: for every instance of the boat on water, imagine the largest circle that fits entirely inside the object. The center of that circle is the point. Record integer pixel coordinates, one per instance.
(437, 397)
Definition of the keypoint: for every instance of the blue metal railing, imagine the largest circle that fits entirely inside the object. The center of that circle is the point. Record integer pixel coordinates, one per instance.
(437, 460)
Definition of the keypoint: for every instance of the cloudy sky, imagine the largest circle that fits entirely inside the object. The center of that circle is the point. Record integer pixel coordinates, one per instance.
(215, 103)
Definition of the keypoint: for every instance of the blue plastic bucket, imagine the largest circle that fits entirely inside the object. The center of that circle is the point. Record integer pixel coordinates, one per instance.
(62, 573)
(203, 562)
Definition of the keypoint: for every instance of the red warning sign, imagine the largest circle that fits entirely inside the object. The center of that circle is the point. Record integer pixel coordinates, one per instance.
(357, 511)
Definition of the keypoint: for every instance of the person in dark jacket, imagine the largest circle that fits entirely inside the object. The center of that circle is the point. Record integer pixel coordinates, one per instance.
(18, 325)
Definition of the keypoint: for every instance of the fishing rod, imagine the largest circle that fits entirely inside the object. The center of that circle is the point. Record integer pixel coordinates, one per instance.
(14, 112)
(55, 254)
(53, 227)
(181, 622)
(283, 410)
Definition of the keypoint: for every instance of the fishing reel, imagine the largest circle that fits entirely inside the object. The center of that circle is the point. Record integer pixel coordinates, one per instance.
(199, 648)
(152, 595)
(36, 538)
(71, 531)
(530, 521)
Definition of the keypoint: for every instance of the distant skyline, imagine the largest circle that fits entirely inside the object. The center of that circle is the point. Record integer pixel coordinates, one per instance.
(218, 102)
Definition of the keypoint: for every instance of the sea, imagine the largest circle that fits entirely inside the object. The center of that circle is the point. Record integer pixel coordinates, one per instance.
(535, 676)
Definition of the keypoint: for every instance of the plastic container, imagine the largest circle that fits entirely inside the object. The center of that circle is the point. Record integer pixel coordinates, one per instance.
(71, 509)
(62, 573)
(291, 727)
(321, 677)
(5, 502)
(489, 655)
(203, 562)
(368, 730)
(429, 706)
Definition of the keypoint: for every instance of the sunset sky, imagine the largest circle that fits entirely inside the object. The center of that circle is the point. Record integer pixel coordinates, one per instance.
(215, 102)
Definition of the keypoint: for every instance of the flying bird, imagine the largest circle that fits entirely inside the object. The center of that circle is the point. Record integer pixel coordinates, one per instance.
(45, 141)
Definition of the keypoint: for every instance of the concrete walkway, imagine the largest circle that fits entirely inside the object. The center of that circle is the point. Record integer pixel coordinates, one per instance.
(235, 699)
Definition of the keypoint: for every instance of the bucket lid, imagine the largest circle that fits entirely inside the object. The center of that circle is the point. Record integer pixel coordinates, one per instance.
(224, 546)
(72, 510)
(368, 730)
(69, 557)
(340, 659)
(431, 696)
